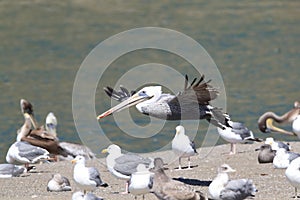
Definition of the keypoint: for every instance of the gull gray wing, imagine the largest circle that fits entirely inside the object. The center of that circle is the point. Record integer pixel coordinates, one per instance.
(10, 169)
(95, 176)
(238, 190)
(292, 155)
(127, 163)
(29, 151)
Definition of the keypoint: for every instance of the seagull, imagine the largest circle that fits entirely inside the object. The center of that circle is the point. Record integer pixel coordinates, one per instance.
(25, 153)
(140, 181)
(58, 183)
(88, 196)
(266, 154)
(222, 188)
(191, 104)
(166, 188)
(123, 165)
(277, 144)
(182, 146)
(292, 174)
(87, 178)
(283, 158)
(265, 122)
(51, 124)
(236, 133)
(10, 170)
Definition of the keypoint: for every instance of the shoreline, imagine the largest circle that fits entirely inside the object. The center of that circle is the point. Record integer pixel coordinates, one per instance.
(271, 183)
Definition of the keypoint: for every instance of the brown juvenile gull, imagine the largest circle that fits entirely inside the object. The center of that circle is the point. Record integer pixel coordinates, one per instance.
(221, 188)
(266, 154)
(166, 188)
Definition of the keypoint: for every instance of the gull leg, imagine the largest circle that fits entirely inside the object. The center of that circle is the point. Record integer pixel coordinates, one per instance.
(126, 188)
(189, 159)
(296, 196)
(179, 166)
(232, 149)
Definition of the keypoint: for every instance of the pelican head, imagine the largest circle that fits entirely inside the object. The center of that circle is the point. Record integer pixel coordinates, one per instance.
(145, 95)
(265, 123)
(27, 110)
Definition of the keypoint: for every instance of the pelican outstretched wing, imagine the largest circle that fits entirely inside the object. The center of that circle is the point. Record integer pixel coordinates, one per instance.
(120, 95)
(197, 91)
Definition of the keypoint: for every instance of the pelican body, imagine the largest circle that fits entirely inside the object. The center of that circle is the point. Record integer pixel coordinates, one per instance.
(191, 104)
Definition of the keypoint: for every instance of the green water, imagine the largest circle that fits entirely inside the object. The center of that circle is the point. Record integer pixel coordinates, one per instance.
(255, 45)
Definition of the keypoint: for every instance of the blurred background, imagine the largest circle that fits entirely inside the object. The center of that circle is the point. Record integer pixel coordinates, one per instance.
(255, 45)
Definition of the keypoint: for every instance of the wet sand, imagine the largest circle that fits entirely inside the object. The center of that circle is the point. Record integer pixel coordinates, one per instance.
(271, 183)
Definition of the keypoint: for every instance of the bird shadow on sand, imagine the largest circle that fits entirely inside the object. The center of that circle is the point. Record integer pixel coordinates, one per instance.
(195, 182)
(186, 168)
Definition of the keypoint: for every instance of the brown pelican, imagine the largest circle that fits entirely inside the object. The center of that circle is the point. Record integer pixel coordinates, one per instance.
(39, 136)
(236, 133)
(265, 122)
(193, 103)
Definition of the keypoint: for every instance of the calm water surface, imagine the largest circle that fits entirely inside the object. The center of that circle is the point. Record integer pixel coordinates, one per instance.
(254, 44)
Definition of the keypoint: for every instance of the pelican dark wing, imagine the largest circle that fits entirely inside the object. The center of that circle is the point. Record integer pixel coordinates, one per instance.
(120, 95)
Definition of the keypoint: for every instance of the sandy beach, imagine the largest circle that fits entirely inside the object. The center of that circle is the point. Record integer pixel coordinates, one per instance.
(271, 183)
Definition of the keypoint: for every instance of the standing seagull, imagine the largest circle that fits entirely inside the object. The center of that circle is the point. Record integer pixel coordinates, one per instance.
(87, 178)
(236, 133)
(182, 146)
(166, 188)
(123, 165)
(265, 122)
(292, 174)
(193, 103)
(140, 182)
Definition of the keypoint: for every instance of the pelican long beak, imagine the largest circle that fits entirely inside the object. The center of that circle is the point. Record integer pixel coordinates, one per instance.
(104, 151)
(32, 119)
(133, 100)
(270, 126)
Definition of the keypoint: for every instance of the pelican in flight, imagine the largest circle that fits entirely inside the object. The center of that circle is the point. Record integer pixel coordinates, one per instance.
(193, 103)
(265, 122)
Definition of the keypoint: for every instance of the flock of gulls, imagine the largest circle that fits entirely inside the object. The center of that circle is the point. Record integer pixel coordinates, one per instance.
(143, 175)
